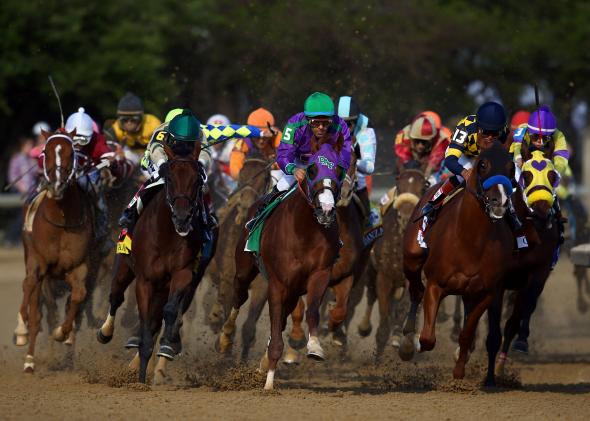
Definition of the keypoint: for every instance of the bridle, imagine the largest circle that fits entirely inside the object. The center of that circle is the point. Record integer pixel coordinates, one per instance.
(58, 164)
(482, 187)
(193, 203)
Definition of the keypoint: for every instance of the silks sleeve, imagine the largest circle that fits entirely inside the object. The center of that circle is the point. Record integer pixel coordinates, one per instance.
(517, 139)
(561, 154)
(452, 155)
(217, 134)
(367, 142)
(237, 158)
(287, 149)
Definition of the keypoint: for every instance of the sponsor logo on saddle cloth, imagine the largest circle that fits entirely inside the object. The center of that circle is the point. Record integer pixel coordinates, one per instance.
(124, 242)
(374, 226)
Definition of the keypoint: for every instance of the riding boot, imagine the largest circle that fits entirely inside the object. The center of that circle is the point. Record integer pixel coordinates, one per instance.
(130, 215)
(363, 195)
(516, 226)
(264, 202)
(560, 220)
(437, 199)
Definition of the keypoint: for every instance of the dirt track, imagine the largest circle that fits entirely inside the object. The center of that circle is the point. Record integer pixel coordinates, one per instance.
(554, 381)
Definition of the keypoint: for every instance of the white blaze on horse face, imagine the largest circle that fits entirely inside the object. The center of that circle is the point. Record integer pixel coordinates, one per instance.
(326, 198)
(497, 212)
(57, 166)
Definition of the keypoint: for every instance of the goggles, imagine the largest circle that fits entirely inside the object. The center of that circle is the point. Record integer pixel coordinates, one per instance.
(316, 122)
(130, 119)
(81, 140)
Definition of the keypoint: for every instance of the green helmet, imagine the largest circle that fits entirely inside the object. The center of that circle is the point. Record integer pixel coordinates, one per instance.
(171, 114)
(185, 127)
(318, 104)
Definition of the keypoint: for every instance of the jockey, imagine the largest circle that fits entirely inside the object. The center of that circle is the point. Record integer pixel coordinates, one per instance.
(472, 134)
(364, 143)
(422, 140)
(220, 153)
(92, 153)
(317, 122)
(262, 119)
(181, 126)
(518, 119)
(133, 128)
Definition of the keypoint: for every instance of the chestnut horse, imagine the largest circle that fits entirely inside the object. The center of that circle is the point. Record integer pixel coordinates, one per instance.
(166, 245)
(299, 245)
(530, 269)
(468, 248)
(385, 277)
(254, 180)
(58, 244)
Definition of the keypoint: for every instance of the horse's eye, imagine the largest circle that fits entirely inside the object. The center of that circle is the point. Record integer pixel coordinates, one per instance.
(527, 176)
(482, 165)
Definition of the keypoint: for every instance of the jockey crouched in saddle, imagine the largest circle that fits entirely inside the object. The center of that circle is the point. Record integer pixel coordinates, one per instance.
(133, 128)
(93, 154)
(364, 144)
(267, 146)
(317, 122)
(179, 132)
(540, 133)
(473, 134)
(424, 141)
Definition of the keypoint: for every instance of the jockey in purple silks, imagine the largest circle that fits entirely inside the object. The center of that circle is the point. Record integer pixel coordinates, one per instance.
(318, 122)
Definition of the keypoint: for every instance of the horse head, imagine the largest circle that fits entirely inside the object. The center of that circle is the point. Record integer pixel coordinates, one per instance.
(253, 181)
(59, 162)
(324, 177)
(493, 171)
(411, 185)
(183, 179)
(539, 180)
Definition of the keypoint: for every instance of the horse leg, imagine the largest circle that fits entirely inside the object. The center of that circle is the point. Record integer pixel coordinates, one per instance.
(34, 326)
(48, 299)
(467, 334)
(246, 272)
(317, 284)
(365, 327)
(457, 317)
(297, 335)
(144, 292)
(338, 312)
(494, 339)
(432, 299)
(77, 281)
(180, 285)
(413, 272)
(258, 298)
(529, 304)
(122, 278)
(32, 278)
(88, 304)
(384, 294)
(278, 316)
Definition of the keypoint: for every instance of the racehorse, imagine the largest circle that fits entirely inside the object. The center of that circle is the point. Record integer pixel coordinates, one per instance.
(530, 269)
(299, 245)
(57, 238)
(167, 240)
(385, 275)
(253, 181)
(468, 248)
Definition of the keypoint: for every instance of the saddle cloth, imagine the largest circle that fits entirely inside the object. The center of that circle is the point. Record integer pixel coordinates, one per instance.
(425, 225)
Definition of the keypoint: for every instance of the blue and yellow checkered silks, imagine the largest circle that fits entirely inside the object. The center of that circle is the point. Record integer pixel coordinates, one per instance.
(464, 140)
(216, 134)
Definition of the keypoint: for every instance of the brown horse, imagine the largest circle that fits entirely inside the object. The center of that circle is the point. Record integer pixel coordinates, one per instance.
(299, 245)
(385, 277)
(468, 248)
(253, 181)
(58, 244)
(166, 244)
(530, 269)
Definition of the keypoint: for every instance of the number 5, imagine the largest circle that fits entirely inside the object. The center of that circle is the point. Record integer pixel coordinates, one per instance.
(287, 134)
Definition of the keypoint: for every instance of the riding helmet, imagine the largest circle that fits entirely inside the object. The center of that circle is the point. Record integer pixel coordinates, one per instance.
(82, 122)
(542, 121)
(171, 114)
(261, 117)
(318, 104)
(491, 116)
(130, 104)
(348, 108)
(185, 127)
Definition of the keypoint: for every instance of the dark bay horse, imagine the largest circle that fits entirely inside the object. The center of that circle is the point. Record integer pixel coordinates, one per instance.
(58, 244)
(468, 248)
(299, 245)
(166, 245)
(253, 181)
(530, 268)
(385, 277)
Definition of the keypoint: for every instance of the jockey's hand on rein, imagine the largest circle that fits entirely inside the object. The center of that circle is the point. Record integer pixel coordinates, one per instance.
(466, 173)
(299, 174)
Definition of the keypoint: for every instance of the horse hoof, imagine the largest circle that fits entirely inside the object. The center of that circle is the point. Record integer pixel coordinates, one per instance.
(29, 366)
(365, 331)
(223, 344)
(396, 341)
(58, 334)
(339, 339)
(132, 342)
(297, 343)
(28, 370)
(167, 352)
(103, 339)
(490, 383)
(291, 357)
(20, 340)
(71, 339)
(160, 378)
(521, 346)
(407, 350)
(315, 350)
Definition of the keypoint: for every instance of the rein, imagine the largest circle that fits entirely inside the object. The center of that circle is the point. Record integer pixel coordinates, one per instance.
(58, 165)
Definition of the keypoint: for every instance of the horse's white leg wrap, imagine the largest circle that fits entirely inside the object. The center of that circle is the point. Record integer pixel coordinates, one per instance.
(270, 378)
(29, 363)
(21, 332)
(314, 349)
(108, 327)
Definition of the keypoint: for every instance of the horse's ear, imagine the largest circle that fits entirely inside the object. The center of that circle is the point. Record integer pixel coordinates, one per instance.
(339, 143)
(552, 176)
(45, 134)
(168, 151)
(196, 151)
